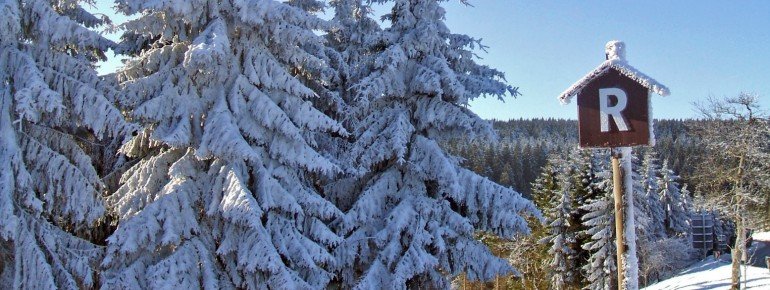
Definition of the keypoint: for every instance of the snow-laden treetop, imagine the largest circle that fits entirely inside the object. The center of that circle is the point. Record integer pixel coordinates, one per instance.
(615, 52)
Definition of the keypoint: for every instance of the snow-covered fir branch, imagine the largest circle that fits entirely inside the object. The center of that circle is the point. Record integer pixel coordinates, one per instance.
(52, 107)
(225, 194)
(411, 210)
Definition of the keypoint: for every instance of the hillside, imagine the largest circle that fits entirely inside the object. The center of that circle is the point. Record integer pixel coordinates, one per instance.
(523, 146)
(715, 274)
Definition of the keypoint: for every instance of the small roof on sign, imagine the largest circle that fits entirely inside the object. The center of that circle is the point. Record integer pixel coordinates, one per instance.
(616, 59)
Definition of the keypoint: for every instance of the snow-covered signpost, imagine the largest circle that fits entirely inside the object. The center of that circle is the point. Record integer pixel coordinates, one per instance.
(614, 112)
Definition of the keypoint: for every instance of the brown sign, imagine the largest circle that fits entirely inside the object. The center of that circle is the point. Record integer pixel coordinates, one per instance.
(613, 111)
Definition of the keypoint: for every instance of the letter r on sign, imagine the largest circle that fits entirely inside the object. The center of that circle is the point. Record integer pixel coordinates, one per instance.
(605, 111)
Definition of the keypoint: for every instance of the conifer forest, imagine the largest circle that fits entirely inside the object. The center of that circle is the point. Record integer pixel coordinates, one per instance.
(307, 144)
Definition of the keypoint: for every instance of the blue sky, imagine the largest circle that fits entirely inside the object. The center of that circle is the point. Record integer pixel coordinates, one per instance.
(696, 48)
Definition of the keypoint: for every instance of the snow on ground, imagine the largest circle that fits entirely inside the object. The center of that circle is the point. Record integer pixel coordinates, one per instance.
(713, 274)
(763, 236)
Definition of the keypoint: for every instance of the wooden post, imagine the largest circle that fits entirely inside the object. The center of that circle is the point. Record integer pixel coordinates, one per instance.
(618, 186)
(632, 121)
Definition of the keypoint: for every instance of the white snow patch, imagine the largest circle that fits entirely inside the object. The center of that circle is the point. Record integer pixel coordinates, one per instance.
(621, 66)
(762, 236)
(713, 274)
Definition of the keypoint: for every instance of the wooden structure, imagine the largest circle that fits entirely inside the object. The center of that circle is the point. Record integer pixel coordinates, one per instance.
(614, 112)
(703, 232)
(614, 103)
(635, 115)
(705, 236)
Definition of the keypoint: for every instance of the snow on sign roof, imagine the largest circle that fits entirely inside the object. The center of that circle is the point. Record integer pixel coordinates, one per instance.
(616, 59)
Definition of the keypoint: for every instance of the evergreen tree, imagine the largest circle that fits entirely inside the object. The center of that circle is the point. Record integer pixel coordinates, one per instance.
(650, 171)
(686, 198)
(644, 211)
(415, 209)
(676, 217)
(547, 186)
(223, 193)
(586, 188)
(600, 223)
(518, 166)
(52, 105)
(561, 260)
(506, 176)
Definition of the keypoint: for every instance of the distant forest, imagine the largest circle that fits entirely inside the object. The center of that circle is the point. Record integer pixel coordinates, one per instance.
(523, 146)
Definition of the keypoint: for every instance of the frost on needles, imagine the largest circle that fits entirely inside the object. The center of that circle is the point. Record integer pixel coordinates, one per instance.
(52, 107)
(599, 220)
(222, 195)
(273, 148)
(411, 209)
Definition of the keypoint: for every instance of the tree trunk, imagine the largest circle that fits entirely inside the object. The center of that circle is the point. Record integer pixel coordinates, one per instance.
(740, 228)
(736, 256)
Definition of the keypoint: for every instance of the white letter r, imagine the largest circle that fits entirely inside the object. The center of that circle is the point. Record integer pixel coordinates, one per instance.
(605, 111)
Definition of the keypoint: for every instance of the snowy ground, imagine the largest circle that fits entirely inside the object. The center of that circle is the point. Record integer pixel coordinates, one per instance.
(764, 236)
(713, 274)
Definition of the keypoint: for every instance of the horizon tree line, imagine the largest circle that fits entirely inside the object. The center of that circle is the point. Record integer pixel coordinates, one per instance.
(252, 144)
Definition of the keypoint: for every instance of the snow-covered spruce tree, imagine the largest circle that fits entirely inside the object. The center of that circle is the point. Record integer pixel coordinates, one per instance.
(52, 103)
(223, 194)
(572, 177)
(561, 260)
(649, 179)
(351, 43)
(600, 223)
(645, 228)
(586, 188)
(687, 204)
(676, 217)
(547, 186)
(414, 210)
(641, 209)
